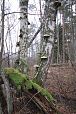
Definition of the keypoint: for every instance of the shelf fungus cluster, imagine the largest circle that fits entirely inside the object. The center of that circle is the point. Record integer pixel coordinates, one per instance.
(43, 58)
(18, 44)
(57, 4)
(46, 37)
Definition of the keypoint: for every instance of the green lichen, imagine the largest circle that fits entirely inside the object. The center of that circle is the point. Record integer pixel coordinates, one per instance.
(22, 81)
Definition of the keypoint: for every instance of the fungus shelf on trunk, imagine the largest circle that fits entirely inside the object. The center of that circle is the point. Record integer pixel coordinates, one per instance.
(18, 44)
(20, 35)
(44, 58)
(46, 37)
(57, 4)
(28, 23)
(36, 67)
(17, 61)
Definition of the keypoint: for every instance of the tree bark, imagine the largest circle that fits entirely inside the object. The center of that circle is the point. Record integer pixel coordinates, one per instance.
(2, 34)
(1, 112)
(7, 94)
(23, 31)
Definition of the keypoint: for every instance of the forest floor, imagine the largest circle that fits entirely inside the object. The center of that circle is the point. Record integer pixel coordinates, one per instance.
(61, 81)
(23, 106)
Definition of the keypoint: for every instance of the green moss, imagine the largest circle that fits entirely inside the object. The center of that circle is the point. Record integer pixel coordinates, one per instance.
(15, 76)
(22, 81)
(28, 84)
(43, 91)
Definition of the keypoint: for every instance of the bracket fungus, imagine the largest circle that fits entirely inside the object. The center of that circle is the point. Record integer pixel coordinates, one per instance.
(17, 44)
(46, 37)
(57, 4)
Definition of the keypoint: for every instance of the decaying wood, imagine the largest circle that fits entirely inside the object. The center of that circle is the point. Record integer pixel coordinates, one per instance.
(1, 112)
(7, 94)
(1, 81)
(35, 93)
(43, 105)
(39, 103)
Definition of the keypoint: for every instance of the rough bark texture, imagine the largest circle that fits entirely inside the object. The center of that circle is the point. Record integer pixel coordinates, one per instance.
(23, 30)
(1, 112)
(23, 26)
(46, 45)
(7, 94)
(2, 34)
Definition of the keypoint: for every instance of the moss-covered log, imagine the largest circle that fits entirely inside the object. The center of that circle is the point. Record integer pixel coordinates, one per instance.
(21, 81)
(40, 96)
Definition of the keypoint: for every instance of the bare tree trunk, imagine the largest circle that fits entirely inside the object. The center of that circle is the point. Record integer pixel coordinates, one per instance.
(2, 34)
(23, 31)
(44, 65)
(63, 39)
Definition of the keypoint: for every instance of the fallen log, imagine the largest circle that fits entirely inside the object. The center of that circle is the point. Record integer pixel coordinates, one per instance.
(35, 92)
(6, 93)
(39, 104)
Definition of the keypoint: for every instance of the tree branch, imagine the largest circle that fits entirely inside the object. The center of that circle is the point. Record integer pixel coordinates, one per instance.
(39, 29)
(20, 12)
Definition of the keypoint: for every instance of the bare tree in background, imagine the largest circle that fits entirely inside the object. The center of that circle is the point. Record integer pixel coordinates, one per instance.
(2, 34)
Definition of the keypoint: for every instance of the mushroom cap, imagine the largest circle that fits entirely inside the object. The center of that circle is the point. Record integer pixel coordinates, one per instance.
(20, 35)
(43, 57)
(36, 66)
(46, 36)
(57, 4)
(17, 44)
(28, 23)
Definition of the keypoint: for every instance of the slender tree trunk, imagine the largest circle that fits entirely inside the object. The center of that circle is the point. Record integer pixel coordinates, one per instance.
(44, 64)
(23, 30)
(2, 35)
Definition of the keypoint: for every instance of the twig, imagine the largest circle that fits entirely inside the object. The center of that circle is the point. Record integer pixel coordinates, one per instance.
(34, 36)
(28, 101)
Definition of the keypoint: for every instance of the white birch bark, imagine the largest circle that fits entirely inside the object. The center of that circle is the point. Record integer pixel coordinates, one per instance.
(23, 26)
(23, 29)
(45, 46)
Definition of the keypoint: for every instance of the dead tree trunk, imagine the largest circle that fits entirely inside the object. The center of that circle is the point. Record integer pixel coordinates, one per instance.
(7, 94)
(1, 112)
